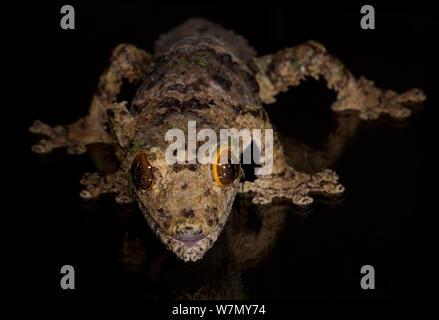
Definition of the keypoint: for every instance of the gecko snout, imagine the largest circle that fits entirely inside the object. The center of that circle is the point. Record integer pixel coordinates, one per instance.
(189, 237)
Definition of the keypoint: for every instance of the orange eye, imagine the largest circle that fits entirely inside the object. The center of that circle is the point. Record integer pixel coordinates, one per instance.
(141, 172)
(225, 173)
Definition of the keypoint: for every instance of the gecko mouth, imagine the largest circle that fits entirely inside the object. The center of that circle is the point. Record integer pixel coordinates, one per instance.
(189, 239)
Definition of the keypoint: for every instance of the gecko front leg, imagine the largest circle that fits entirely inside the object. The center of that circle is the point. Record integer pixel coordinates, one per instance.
(75, 136)
(127, 63)
(284, 181)
(276, 72)
(294, 185)
(96, 185)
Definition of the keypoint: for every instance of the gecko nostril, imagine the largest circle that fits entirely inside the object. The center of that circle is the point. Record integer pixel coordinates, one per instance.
(189, 231)
(187, 213)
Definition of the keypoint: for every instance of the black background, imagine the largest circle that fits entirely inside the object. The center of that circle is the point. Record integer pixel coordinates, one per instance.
(53, 73)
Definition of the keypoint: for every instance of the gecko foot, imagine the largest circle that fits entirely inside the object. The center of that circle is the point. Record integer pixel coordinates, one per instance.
(55, 137)
(371, 101)
(116, 183)
(294, 185)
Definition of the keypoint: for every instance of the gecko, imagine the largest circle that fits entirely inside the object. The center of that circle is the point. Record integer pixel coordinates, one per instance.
(205, 73)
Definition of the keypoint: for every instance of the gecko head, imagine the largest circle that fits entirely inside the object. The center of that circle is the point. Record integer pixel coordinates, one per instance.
(186, 205)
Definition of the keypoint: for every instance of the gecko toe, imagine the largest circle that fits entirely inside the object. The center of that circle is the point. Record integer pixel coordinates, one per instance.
(42, 147)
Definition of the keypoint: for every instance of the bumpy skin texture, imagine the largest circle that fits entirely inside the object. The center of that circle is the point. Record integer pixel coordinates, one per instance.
(210, 75)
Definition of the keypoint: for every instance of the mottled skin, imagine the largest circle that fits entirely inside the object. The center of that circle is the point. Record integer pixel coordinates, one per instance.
(205, 73)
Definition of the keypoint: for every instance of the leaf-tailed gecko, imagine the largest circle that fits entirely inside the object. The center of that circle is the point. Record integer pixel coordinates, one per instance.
(202, 72)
